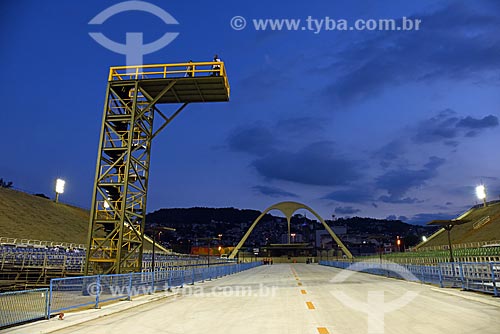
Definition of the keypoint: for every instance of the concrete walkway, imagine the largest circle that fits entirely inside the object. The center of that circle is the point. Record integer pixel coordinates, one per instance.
(286, 298)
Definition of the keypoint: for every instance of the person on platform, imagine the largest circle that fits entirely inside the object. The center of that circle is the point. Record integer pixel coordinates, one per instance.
(189, 70)
(216, 67)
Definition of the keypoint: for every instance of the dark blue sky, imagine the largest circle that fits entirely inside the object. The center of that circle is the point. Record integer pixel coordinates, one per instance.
(370, 123)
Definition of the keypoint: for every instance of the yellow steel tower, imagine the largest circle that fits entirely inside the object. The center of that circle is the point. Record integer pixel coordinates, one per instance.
(118, 212)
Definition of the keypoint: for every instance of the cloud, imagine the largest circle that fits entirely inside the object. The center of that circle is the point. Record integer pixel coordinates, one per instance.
(346, 210)
(456, 42)
(300, 125)
(473, 123)
(447, 126)
(424, 218)
(390, 152)
(254, 139)
(261, 138)
(440, 127)
(263, 81)
(395, 200)
(398, 182)
(273, 192)
(315, 164)
(318, 163)
(394, 217)
(451, 143)
(353, 195)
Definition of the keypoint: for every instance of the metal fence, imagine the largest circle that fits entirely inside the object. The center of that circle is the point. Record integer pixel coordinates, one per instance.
(21, 306)
(91, 291)
(483, 276)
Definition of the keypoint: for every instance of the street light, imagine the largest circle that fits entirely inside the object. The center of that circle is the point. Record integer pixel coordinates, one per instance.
(155, 230)
(448, 226)
(208, 244)
(59, 188)
(424, 238)
(481, 193)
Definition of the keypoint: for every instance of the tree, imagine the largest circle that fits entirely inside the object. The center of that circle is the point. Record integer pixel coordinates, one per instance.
(5, 184)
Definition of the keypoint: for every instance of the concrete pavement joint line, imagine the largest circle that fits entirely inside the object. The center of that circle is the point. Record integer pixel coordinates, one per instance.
(461, 294)
(310, 306)
(399, 279)
(323, 330)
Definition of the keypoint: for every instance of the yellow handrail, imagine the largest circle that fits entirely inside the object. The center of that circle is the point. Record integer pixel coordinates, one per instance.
(163, 71)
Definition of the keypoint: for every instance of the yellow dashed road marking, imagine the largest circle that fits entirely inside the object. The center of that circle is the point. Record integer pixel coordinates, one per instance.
(303, 292)
(310, 305)
(323, 330)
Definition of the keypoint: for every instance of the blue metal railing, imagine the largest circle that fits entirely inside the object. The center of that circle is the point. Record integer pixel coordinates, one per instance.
(21, 306)
(482, 276)
(91, 291)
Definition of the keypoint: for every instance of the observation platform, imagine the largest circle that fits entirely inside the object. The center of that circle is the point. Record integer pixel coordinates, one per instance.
(190, 82)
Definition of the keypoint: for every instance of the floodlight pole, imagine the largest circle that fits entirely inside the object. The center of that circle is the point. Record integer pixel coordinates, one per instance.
(448, 229)
(59, 188)
(481, 193)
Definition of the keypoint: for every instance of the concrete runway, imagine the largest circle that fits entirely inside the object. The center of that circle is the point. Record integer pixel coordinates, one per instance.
(301, 298)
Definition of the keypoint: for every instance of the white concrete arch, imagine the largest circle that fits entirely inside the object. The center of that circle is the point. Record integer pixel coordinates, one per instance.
(288, 209)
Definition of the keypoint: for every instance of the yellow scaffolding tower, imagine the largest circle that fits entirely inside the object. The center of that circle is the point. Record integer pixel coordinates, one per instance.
(118, 211)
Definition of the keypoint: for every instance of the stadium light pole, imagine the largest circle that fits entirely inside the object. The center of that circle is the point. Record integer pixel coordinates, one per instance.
(481, 193)
(59, 188)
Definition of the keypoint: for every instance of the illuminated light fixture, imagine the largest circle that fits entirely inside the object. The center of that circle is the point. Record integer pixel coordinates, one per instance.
(481, 193)
(59, 188)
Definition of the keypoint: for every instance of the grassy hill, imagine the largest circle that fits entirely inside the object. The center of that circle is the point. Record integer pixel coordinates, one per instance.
(486, 229)
(26, 216)
(31, 217)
